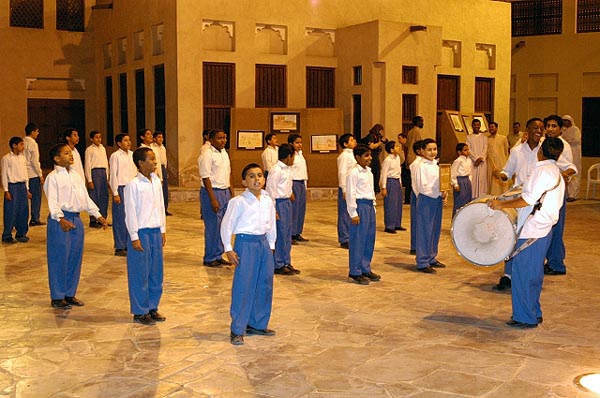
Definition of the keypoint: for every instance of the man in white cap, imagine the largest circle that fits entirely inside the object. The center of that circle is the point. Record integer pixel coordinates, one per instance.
(572, 135)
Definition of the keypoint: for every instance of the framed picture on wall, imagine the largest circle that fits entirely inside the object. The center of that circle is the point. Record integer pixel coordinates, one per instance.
(285, 122)
(323, 143)
(467, 121)
(250, 139)
(456, 123)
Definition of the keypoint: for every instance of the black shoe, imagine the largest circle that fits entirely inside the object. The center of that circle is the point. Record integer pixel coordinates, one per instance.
(400, 229)
(168, 214)
(571, 199)
(74, 301)
(22, 239)
(300, 238)
(437, 264)
(260, 332)
(295, 242)
(344, 245)
(427, 270)
(283, 271)
(540, 320)
(95, 224)
(412, 252)
(33, 223)
(145, 319)
(121, 252)
(550, 271)
(236, 339)
(291, 268)
(213, 264)
(389, 231)
(9, 240)
(504, 284)
(156, 316)
(360, 279)
(60, 304)
(372, 276)
(521, 325)
(223, 262)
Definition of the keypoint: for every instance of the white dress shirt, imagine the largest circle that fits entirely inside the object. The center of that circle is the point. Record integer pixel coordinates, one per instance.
(299, 170)
(161, 153)
(247, 214)
(461, 167)
(157, 156)
(32, 156)
(205, 147)
(77, 166)
(359, 185)
(279, 183)
(543, 178)
(413, 171)
(122, 169)
(345, 163)
(66, 191)
(215, 164)
(14, 170)
(269, 157)
(428, 178)
(565, 160)
(95, 158)
(144, 205)
(521, 162)
(390, 168)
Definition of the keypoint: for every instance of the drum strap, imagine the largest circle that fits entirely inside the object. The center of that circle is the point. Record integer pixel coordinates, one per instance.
(536, 207)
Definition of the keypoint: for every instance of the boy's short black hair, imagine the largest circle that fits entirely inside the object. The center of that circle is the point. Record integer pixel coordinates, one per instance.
(248, 167)
(556, 118)
(268, 138)
(417, 146)
(427, 141)
(120, 137)
(417, 119)
(494, 123)
(55, 150)
(460, 146)
(344, 139)
(552, 148)
(293, 137)
(30, 128)
(157, 133)
(213, 133)
(361, 149)
(206, 134)
(93, 133)
(533, 119)
(67, 132)
(475, 121)
(389, 146)
(14, 141)
(284, 151)
(139, 155)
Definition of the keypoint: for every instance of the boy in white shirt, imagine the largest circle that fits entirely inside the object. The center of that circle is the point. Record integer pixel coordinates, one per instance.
(416, 148)
(146, 226)
(460, 177)
(391, 188)
(67, 197)
(269, 155)
(161, 154)
(71, 137)
(16, 192)
(345, 163)
(300, 177)
(96, 174)
(251, 218)
(34, 172)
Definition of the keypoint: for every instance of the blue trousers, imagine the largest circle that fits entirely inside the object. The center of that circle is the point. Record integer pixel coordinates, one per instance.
(165, 186)
(429, 227)
(527, 279)
(283, 244)
(343, 220)
(556, 252)
(119, 228)
(362, 238)
(464, 196)
(65, 252)
(213, 247)
(100, 192)
(145, 272)
(252, 288)
(413, 221)
(298, 206)
(35, 189)
(16, 211)
(392, 204)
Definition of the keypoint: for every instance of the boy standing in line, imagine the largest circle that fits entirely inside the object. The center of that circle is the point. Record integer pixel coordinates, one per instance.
(300, 177)
(161, 154)
(122, 170)
(34, 172)
(345, 163)
(16, 192)
(360, 199)
(146, 226)
(269, 155)
(279, 187)
(71, 137)
(417, 148)
(67, 197)
(215, 171)
(391, 188)
(460, 177)
(429, 209)
(96, 166)
(251, 218)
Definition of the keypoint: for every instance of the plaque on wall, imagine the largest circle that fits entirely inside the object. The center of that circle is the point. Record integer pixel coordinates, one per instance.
(250, 139)
(323, 143)
(285, 122)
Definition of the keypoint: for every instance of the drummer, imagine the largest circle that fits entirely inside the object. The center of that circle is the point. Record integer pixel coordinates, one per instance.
(520, 164)
(544, 189)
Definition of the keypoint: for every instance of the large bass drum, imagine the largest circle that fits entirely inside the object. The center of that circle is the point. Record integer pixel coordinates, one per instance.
(484, 236)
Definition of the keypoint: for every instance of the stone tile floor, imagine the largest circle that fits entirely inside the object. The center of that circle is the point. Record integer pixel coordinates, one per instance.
(410, 335)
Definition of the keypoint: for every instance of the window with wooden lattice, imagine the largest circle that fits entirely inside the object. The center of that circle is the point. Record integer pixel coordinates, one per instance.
(27, 13)
(409, 74)
(70, 15)
(588, 16)
(536, 17)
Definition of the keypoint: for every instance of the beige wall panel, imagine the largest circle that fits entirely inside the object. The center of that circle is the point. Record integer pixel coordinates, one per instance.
(542, 107)
(547, 82)
(591, 84)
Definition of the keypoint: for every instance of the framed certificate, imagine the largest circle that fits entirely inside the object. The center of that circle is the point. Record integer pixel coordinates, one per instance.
(323, 143)
(250, 139)
(285, 122)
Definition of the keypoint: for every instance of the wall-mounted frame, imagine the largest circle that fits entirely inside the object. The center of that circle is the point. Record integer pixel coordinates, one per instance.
(324, 143)
(467, 121)
(285, 122)
(456, 122)
(250, 139)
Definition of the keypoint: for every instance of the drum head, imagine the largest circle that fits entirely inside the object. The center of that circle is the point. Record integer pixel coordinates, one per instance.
(484, 236)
